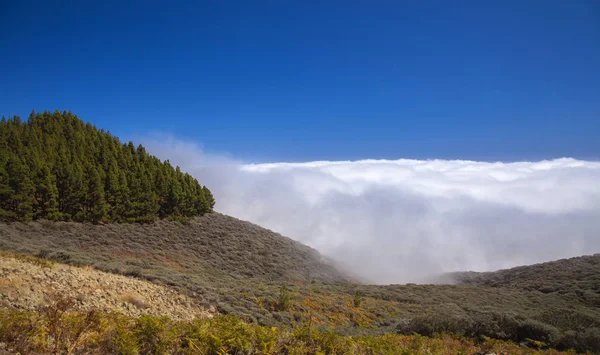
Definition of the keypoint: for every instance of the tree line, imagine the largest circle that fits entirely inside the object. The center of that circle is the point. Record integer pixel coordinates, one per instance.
(55, 166)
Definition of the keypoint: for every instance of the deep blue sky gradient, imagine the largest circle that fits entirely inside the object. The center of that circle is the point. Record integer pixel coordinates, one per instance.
(297, 80)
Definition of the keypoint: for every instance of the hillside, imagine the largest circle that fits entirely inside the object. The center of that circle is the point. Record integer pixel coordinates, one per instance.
(240, 268)
(206, 255)
(31, 283)
(49, 307)
(577, 278)
(218, 260)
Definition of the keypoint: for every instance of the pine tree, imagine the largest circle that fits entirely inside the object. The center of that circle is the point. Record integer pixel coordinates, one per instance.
(96, 204)
(112, 189)
(122, 199)
(148, 208)
(187, 204)
(46, 195)
(22, 190)
(174, 199)
(55, 166)
(6, 196)
(76, 192)
(133, 209)
(209, 198)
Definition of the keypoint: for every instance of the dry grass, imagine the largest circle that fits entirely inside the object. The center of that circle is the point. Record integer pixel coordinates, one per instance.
(36, 260)
(28, 286)
(135, 300)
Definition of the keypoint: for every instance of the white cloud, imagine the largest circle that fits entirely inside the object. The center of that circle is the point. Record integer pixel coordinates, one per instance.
(394, 221)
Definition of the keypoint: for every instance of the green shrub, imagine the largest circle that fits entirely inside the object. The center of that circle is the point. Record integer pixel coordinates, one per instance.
(358, 298)
(20, 329)
(119, 339)
(61, 257)
(493, 325)
(538, 331)
(284, 300)
(582, 341)
(433, 324)
(332, 343)
(97, 333)
(153, 334)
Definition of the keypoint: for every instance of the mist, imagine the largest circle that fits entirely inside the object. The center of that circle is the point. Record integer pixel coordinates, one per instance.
(398, 221)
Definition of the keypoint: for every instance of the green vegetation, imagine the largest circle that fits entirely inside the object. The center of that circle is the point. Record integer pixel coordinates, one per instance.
(56, 329)
(56, 167)
(358, 298)
(577, 278)
(283, 303)
(208, 250)
(240, 269)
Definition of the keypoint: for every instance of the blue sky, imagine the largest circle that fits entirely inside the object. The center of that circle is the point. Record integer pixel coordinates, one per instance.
(305, 80)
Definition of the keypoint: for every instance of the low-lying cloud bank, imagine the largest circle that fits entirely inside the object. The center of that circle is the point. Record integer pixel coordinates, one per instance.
(396, 221)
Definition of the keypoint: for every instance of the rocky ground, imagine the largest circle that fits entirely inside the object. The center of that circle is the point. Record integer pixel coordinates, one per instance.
(30, 283)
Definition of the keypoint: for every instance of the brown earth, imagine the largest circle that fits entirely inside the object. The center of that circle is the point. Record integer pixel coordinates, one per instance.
(30, 283)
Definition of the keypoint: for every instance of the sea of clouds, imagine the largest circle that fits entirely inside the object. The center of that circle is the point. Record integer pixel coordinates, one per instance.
(397, 221)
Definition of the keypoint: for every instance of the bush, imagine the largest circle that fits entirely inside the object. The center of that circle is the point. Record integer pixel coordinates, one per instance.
(119, 339)
(61, 257)
(494, 325)
(536, 330)
(358, 298)
(153, 335)
(283, 302)
(55, 331)
(434, 324)
(582, 341)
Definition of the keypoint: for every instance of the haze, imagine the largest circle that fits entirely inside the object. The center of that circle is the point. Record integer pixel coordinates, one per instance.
(397, 221)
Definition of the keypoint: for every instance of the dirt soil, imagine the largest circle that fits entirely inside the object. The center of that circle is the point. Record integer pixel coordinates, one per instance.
(27, 284)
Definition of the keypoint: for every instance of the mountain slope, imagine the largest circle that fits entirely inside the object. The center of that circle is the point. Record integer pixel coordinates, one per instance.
(33, 283)
(577, 278)
(210, 248)
(240, 268)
